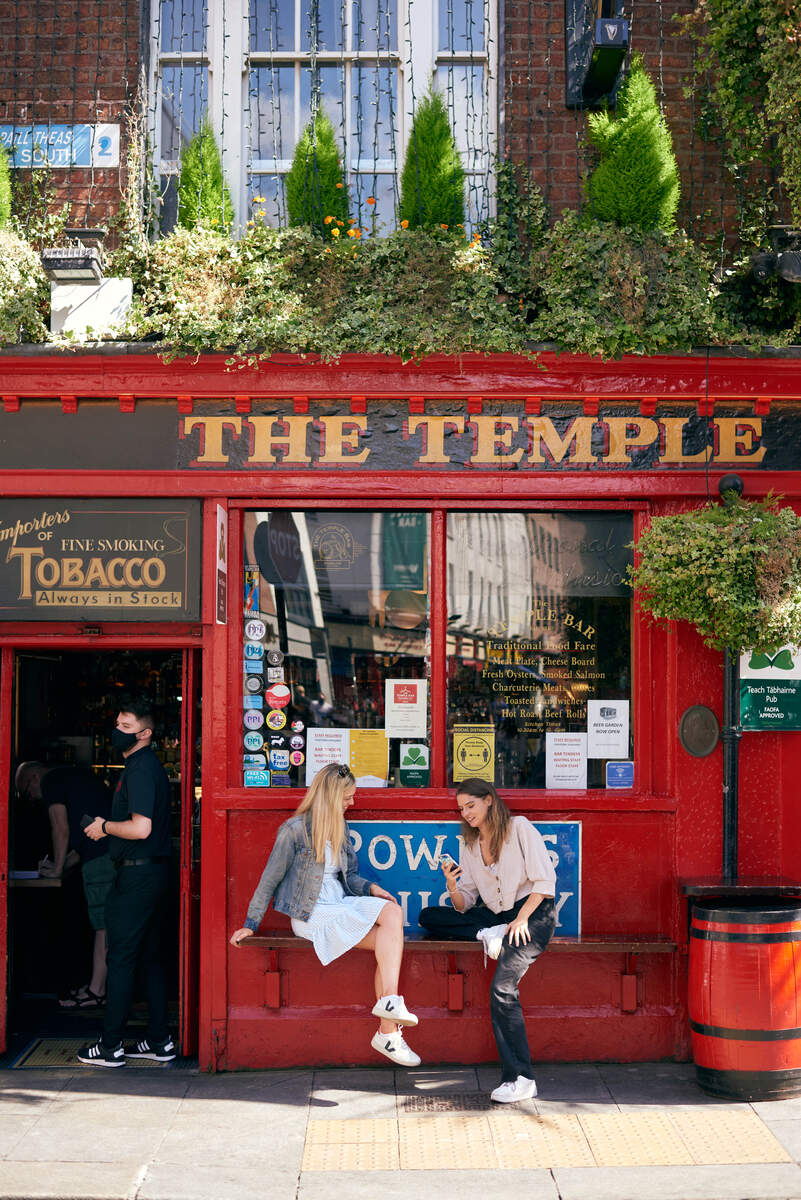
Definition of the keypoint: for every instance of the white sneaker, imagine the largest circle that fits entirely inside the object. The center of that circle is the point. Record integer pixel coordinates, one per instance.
(520, 1089)
(393, 1008)
(393, 1046)
(492, 937)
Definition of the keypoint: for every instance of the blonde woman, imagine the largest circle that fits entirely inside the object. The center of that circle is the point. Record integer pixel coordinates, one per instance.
(311, 875)
(502, 893)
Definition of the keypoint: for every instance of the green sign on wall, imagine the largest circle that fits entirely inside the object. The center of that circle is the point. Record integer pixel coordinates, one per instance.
(770, 689)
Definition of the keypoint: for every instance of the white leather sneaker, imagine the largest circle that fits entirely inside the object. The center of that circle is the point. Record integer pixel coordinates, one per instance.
(393, 1008)
(392, 1045)
(492, 937)
(521, 1089)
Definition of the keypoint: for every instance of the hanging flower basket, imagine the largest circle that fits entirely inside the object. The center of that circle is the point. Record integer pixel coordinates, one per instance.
(731, 570)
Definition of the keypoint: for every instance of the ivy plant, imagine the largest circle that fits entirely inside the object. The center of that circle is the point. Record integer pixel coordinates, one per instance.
(731, 570)
(24, 291)
(5, 189)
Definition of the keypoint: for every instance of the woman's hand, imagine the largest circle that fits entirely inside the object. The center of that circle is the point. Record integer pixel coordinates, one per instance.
(451, 870)
(240, 935)
(376, 890)
(518, 932)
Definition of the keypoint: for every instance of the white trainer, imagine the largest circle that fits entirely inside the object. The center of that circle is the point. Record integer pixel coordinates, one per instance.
(393, 1008)
(393, 1046)
(492, 937)
(519, 1089)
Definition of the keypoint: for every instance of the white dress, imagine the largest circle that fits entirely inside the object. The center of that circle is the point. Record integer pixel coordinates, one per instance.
(338, 922)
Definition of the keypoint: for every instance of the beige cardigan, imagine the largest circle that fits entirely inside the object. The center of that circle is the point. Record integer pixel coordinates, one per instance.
(524, 866)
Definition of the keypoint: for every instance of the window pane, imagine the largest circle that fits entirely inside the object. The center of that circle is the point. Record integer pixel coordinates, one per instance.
(374, 111)
(462, 89)
(184, 100)
(375, 25)
(336, 619)
(272, 112)
(330, 16)
(182, 25)
(380, 217)
(331, 91)
(539, 624)
(272, 25)
(461, 25)
(267, 200)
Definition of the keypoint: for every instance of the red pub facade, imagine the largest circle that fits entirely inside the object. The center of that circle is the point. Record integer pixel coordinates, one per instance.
(420, 569)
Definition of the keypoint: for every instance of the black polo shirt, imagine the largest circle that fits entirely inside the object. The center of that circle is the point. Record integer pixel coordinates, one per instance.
(143, 788)
(83, 794)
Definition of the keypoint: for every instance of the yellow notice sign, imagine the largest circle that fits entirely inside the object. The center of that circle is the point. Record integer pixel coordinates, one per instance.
(474, 752)
(369, 757)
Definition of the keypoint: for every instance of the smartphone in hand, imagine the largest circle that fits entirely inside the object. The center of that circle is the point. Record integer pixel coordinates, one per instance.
(445, 860)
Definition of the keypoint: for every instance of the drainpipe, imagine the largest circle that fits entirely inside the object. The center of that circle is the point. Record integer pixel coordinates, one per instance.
(730, 488)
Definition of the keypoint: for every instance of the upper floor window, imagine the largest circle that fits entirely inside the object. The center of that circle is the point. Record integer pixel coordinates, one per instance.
(259, 68)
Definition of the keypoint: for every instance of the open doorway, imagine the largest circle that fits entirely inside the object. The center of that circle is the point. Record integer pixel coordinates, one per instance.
(65, 704)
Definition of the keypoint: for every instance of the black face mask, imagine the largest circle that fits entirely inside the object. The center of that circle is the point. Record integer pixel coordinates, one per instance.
(122, 741)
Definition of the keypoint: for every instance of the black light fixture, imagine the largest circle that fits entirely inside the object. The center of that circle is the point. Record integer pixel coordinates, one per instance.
(784, 257)
(79, 261)
(595, 48)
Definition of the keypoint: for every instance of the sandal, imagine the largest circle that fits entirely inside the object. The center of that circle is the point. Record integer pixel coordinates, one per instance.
(91, 1000)
(73, 997)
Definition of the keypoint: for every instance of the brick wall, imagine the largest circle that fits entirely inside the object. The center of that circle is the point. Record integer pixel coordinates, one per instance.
(69, 62)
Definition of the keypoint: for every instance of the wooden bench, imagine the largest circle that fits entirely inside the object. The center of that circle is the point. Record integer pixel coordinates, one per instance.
(276, 940)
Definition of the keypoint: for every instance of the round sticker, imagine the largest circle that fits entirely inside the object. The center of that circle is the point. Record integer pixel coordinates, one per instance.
(296, 758)
(253, 683)
(297, 727)
(296, 742)
(253, 741)
(254, 650)
(254, 718)
(275, 658)
(255, 630)
(279, 760)
(276, 719)
(278, 696)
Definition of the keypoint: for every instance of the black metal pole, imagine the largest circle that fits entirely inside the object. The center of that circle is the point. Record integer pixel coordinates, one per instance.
(730, 735)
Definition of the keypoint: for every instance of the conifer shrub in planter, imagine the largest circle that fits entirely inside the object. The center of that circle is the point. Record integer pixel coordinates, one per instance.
(731, 570)
(432, 179)
(203, 196)
(315, 186)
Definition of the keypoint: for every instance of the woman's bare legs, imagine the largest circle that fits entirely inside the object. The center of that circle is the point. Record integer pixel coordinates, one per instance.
(385, 939)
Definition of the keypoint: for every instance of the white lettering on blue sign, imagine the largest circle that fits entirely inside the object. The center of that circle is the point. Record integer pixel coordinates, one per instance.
(402, 857)
(61, 145)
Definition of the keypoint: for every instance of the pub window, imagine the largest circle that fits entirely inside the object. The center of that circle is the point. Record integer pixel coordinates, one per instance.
(541, 697)
(334, 665)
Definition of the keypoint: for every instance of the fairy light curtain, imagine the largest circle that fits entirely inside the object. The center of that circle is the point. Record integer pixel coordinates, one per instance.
(258, 71)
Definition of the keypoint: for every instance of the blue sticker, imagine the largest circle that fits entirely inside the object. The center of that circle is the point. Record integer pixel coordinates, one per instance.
(279, 760)
(281, 780)
(254, 760)
(253, 701)
(620, 774)
(256, 778)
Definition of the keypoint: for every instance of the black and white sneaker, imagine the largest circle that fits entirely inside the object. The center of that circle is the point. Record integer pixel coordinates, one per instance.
(98, 1055)
(164, 1052)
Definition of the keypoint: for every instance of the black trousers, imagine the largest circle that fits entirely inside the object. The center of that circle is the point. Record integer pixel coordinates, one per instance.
(134, 914)
(508, 1023)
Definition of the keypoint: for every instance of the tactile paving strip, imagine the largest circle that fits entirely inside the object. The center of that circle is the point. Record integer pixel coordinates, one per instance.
(339, 1132)
(715, 1136)
(351, 1156)
(526, 1142)
(446, 1144)
(634, 1139)
(473, 1102)
(61, 1052)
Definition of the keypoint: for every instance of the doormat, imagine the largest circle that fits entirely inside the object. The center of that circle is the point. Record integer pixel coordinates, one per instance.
(44, 1053)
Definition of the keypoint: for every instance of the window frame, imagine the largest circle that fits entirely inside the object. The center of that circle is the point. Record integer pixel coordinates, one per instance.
(431, 798)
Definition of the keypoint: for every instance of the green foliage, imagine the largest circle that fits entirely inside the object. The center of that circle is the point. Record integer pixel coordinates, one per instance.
(518, 228)
(636, 182)
(5, 189)
(748, 53)
(203, 197)
(757, 314)
(315, 187)
(24, 291)
(35, 213)
(432, 180)
(291, 291)
(734, 572)
(604, 290)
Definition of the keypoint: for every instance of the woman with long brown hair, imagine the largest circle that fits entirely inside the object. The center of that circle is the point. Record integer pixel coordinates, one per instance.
(311, 875)
(502, 893)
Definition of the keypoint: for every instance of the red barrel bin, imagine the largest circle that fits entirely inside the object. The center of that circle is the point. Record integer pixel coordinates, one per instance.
(745, 997)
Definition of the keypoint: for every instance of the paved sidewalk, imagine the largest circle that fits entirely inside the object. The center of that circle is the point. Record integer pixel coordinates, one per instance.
(595, 1132)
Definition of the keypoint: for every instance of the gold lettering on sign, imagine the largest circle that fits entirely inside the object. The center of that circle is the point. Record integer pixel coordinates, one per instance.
(494, 434)
(211, 436)
(626, 434)
(739, 438)
(339, 434)
(291, 438)
(434, 430)
(579, 432)
(674, 442)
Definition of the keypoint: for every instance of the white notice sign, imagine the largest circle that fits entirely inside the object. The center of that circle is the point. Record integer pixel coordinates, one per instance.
(607, 729)
(565, 760)
(324, 746)
(405, 708)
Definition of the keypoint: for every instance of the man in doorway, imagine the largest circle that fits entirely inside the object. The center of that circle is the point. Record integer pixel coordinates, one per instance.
(70, 793)
(139, 846)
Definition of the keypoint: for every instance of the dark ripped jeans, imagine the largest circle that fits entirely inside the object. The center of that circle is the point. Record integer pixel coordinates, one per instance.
(508, 1023)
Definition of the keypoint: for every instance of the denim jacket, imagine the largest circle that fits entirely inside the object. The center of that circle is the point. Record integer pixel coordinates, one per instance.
(292, 878)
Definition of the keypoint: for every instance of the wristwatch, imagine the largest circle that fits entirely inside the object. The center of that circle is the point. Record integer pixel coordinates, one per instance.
(103, 827)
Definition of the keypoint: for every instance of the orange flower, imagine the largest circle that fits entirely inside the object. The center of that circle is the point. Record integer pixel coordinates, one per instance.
(371, 199)
(339, 185)
(443, 226)
(404, 224)
(352, 221)
(340, 223)
(327, 220)
(335, 232)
